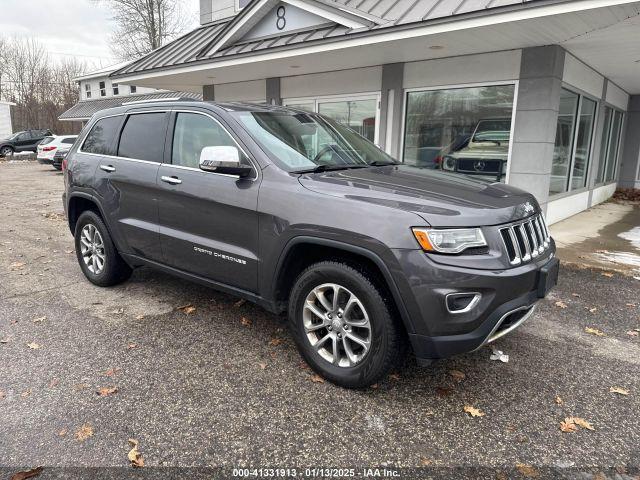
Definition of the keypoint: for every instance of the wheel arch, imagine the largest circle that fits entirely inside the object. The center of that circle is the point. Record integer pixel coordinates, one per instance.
(302, 251)
(78, 203)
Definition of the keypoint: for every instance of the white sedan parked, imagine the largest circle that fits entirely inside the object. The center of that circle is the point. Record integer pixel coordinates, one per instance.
(50, 145)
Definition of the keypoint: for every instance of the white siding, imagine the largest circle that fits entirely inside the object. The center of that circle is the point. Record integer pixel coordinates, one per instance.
(486, 67)
(358, 80)
(253, 91)
(5, 120)
(581, 76)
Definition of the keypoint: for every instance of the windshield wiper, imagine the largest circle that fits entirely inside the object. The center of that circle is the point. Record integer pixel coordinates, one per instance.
(378, 163)
(329, 168)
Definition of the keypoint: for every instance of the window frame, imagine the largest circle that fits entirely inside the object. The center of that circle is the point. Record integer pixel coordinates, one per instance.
(133, 89)
(168, 155)
(115, 89)
(87, 90)
(604, 143)
(102, 88)
(317, 100)
(405, 99)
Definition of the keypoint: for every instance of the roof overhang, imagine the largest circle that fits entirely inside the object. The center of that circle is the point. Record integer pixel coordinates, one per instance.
(578, 26)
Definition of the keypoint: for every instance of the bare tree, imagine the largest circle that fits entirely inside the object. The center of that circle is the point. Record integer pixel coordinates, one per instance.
(144, 25)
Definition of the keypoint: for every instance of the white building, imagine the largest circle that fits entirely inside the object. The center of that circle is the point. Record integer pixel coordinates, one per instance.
(5, 119)
(98, 91)
(542, 94)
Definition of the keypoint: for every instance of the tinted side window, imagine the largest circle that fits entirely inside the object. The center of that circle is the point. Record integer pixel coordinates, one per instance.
(100, 138)
(191, 134)
(68, 141)
(143, 137)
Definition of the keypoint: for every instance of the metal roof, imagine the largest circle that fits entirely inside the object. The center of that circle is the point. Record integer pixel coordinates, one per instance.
(84, 109)
(188, 49)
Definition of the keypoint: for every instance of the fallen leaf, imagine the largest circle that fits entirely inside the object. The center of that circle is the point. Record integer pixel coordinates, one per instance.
(394, 376)
(632, 333)
(84, 432)
(631, 304)
(425, 462)
(499, 355)
(34, 472)
(593, 310)
(53, 383)
(139, 317)
(132, 345)
(560, 304)
(134, 456)
(33, 346)
(527, 470)
(26, 393)
(274, 342)
(240, 303)
(568, 427)
(187, 309)
(457, 375)
(594, 331)
(262, 365)
(4, 340)
(68, 251)
(111, 372)
(2, 395)
(17, 265)
(246, 322)
(106, 391)
(607, 274)
(619, 390)
(317, 379)
(559, 400)
(118, 311)
(474, 412)
(580, 422)
(577, 295)
(303, 365)
(39, 319)
(374, 386)
(63, 432)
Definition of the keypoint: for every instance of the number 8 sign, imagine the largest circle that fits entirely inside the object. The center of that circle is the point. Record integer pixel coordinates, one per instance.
(281, 22)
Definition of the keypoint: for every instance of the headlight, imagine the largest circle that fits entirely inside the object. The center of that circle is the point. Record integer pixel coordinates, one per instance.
(453, 240)
(449, 163)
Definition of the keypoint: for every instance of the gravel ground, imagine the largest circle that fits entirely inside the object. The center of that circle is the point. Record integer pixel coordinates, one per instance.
(208, 390)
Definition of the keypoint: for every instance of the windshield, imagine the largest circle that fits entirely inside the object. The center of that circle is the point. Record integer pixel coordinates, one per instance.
(299, 141)
(493, 131)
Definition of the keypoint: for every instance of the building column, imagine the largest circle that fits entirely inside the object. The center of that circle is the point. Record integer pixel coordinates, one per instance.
(630, 158)
(208, 93)
(390, 126)
(536, 117)
(273, 91)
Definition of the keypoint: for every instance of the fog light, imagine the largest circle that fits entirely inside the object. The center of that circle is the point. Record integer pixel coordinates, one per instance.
(462, 302)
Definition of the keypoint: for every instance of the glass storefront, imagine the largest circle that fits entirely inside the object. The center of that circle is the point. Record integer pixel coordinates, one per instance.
(360, 114)
(572, 151)
(465, 130)
(609, 149)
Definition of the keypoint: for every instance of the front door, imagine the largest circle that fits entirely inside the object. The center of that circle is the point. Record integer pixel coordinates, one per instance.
(208, 221)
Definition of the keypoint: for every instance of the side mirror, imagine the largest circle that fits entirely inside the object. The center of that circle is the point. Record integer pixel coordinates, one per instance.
(223, 159)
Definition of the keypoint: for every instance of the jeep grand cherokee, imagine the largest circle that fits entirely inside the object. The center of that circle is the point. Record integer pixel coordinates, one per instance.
(303, 216)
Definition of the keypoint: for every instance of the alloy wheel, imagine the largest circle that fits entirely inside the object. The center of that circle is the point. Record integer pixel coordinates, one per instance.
(92, 249)
(337, 325)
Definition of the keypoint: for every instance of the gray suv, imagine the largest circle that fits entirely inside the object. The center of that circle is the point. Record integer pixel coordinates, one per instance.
(369, 258)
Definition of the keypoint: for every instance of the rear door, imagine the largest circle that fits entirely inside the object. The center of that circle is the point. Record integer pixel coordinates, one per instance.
(126, 181)
(208, 221)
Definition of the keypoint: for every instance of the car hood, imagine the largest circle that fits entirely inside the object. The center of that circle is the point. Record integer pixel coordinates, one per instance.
(441, 199)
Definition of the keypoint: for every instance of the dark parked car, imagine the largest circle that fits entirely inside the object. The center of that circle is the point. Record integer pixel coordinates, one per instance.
(26, 141)
(58, 158)
(303, 216)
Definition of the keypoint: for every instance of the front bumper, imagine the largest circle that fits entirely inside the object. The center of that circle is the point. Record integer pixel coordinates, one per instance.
(508, 298)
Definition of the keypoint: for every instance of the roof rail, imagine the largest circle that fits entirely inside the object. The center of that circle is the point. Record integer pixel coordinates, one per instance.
(153, 100)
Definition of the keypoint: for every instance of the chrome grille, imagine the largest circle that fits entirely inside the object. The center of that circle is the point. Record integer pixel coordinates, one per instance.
(525, 240)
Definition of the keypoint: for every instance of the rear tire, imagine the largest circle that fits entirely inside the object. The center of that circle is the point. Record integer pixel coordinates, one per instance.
(6, 151)
(332, 336)
(96, 253)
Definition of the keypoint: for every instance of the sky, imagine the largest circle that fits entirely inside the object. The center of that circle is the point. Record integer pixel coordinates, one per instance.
(68, 27)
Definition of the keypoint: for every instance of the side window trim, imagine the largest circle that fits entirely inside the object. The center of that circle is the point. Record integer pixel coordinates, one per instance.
(169, 145)
(124, 123)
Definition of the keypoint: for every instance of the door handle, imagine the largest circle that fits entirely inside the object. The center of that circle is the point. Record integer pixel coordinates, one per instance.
(171, 180)
(108, 168)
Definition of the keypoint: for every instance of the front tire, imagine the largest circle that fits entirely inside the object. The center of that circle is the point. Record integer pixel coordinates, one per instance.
(343, 325)
(97, 255)
(6, 151)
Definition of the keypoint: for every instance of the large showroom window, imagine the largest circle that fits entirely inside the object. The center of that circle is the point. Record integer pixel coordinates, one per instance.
(465, 130)
(359, 113)
(574, 134)
(610, 146)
